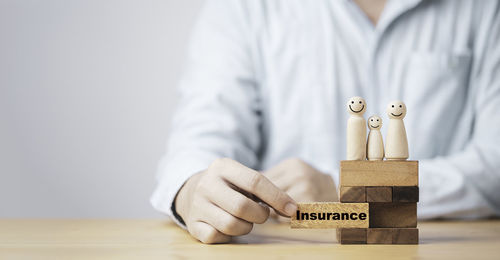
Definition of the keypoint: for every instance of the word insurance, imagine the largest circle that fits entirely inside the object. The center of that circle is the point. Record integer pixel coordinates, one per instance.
(331, 215)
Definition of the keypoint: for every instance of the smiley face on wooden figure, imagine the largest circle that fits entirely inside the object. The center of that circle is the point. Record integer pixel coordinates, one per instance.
(356, 106)
(374, 122)
(396, 110)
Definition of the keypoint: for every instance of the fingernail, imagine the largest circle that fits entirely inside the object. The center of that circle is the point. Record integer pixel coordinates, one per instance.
(290, 208)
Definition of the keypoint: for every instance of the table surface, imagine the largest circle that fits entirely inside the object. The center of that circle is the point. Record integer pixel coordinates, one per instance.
(160, 239)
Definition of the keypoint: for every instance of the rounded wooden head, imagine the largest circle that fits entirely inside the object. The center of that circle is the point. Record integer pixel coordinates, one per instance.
(374, 122)
(396, 110)
(356, 106)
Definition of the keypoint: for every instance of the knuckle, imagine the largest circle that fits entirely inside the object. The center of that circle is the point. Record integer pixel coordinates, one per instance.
(291, 162)
(215, 165)
(241, 206)
(297, 164)
(247, 227)
(303, 168)
(254, 181)
(279, 198)
(203, 188)
(209, 237)
(194, 213)
(305, 190)
(297, 161)
(261, 218)
(307, 176)
(219, 167)
(196, 232)
(231, 226)
(219, 163)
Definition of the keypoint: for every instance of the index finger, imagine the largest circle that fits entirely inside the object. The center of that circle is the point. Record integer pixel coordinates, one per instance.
(257, 184)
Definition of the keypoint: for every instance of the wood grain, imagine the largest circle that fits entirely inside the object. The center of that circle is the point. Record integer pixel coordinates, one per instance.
(152, 239)
(379, 194)
(353, 194)
(392, 236)
(351, 235)
(379, 173)
(405, 236)
(379, 236)
(393, 215)
(405, 194)
(330, 207)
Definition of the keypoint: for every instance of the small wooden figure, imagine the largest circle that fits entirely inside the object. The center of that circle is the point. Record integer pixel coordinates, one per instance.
(396, 142)
(375, 143)
(356, 129)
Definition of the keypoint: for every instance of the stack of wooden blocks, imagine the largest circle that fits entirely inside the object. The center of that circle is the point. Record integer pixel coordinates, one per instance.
(391, 190)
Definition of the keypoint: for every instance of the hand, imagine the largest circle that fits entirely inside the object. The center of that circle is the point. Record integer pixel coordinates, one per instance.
(221, 201)
(302, 182)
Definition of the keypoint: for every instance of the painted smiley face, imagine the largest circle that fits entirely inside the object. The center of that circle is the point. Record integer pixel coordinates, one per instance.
(396, 110)
(374, 122)
(356, 106)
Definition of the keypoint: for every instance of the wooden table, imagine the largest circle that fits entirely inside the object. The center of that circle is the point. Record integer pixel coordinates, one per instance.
(157, 239)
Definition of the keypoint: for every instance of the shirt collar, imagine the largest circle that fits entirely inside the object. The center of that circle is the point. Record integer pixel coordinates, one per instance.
(392, 10)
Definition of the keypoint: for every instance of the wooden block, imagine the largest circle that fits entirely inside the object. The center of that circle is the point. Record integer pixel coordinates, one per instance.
(379, 173)
(405, 194)
(330, 215)
(405, 236)
(352, 194)
(351, 235)
(379, 194)
(379, 236)
(392, 236)
(393, 215)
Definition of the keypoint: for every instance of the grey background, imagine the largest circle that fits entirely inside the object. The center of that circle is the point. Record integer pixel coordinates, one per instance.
(87, 88)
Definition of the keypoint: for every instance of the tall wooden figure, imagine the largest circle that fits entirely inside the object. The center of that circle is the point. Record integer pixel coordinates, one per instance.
(396, 142)
(356, 129)
(375, 143)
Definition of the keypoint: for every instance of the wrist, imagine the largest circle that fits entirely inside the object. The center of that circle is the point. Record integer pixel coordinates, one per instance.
(174, 208)
(181, 202)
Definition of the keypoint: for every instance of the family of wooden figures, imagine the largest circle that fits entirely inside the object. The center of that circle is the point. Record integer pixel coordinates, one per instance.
(361, 148)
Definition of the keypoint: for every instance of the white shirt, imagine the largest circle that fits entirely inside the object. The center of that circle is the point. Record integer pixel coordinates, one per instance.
(268, 80)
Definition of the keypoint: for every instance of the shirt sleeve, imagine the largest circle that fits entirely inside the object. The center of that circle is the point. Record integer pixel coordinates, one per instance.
(218, 112)
(467, 184)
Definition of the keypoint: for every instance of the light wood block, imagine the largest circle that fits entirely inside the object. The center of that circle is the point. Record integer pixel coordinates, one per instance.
(392, 236)
(351, 235)
(353, 194)
(393, 215)
(379, 194)
(405, 194)
(379, 173)
(330, 215)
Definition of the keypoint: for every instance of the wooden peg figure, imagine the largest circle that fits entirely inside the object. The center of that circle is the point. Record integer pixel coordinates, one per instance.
(375, 143)
(356, 129)
(396, 142)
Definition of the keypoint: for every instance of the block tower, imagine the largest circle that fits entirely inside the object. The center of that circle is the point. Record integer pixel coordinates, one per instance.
(391, 190)
(390, 187)
(386, 191)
